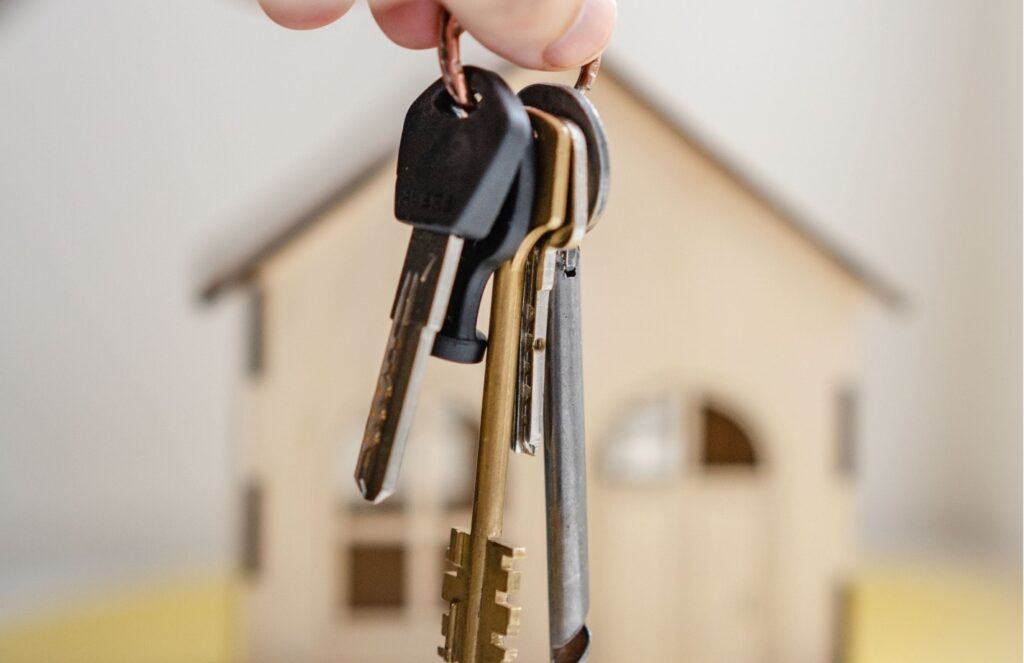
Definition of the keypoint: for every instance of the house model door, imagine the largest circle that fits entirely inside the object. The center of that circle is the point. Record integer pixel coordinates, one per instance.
(729, 571)
(681, 553)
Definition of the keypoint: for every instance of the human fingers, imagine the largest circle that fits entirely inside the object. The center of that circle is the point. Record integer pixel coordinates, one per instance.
(538, 34)
(305, 14)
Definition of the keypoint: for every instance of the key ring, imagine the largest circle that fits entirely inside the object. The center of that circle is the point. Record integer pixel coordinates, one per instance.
(451, 63)
(448, 56)
(588, 74)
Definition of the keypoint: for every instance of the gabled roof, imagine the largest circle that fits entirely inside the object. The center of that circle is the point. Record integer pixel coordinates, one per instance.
(241, 268)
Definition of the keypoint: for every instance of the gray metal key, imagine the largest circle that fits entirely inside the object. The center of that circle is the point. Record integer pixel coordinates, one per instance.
(565, 472)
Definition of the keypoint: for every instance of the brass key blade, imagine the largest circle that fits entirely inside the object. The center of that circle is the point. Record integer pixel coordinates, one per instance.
(455, 590)
(486, 608)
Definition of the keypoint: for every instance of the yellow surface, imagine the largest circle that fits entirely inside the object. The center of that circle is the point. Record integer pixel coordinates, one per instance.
(935, 616)
(897, 616)
(181, 622)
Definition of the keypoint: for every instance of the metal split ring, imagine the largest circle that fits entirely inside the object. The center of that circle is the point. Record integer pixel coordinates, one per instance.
(588, 74)
(454, 77)
(451, 62)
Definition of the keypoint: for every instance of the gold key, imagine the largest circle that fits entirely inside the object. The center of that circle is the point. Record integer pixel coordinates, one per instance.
(479, 616)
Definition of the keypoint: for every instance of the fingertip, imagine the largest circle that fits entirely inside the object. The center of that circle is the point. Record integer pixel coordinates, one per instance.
(586, 37)
(408, 23)
(542, 34)
(305, 14)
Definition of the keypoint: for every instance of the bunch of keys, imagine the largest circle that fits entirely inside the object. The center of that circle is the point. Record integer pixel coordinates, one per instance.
(495, 183)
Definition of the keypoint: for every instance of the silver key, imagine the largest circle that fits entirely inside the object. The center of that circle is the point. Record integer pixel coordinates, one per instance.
(565, 472)
(420, 305)
(528, 415)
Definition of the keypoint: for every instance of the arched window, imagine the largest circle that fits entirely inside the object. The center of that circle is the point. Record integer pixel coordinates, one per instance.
(646, 443)
(725, 442)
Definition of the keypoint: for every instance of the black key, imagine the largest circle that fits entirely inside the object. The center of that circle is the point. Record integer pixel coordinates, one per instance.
(459, 339)
(454, 174)
(454, 171)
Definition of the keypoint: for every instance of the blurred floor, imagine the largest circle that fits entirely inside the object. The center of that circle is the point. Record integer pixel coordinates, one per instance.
(899, 614)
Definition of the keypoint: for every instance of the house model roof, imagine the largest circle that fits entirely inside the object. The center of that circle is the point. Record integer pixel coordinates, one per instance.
(240, 268)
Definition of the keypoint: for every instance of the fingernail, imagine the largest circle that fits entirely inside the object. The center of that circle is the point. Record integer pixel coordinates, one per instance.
(586, 37)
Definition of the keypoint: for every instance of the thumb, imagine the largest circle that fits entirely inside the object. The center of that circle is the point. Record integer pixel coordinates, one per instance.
(305, 14)
(539, 34)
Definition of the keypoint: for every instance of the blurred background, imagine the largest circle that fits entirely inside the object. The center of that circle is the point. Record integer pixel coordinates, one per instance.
(146, 145)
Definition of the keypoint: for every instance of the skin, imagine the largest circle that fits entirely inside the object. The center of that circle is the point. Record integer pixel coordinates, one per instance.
(537, 34)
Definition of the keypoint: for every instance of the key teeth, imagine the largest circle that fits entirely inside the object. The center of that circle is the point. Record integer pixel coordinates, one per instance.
(525, 446)
(498, 617)
(458, 547)
(513, 619)
(495, 652)
(502, 618)
(449, 651)
(450, 586)
(494, 549)
(454, 588)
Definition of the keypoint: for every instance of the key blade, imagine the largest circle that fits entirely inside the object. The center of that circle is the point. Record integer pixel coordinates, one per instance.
(455, 592)
(538, 349)
(521, 401)
(565, 460)
(528, 416)
(420, 304)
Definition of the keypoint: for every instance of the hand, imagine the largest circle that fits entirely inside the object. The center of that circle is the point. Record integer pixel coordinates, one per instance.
(538, 34)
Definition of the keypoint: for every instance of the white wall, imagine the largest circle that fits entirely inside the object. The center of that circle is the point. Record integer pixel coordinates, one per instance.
(136, 136)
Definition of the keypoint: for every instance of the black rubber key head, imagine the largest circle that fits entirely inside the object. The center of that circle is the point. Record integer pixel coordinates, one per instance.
(454, 172)
(459, 339)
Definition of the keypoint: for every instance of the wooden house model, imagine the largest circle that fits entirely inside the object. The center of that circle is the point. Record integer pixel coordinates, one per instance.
(721, 363)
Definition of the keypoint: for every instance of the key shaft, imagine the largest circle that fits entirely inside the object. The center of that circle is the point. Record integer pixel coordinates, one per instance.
(418, 311)
(565, 474)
